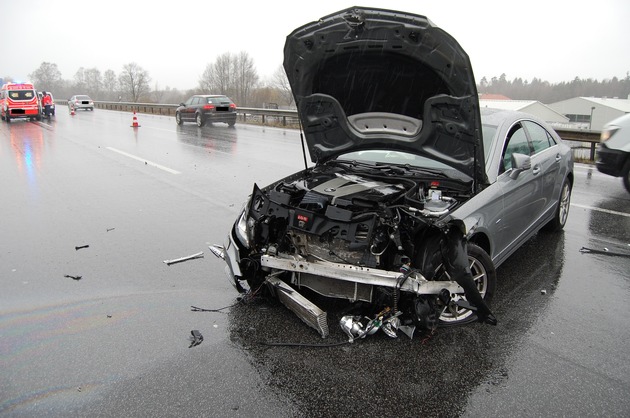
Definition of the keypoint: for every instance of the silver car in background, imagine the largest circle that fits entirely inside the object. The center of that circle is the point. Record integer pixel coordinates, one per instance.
(81, 101)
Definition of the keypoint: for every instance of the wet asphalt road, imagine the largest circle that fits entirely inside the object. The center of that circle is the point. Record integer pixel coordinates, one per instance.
(116, 341)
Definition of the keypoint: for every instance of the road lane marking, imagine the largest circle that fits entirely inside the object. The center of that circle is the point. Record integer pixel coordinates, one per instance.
(147, 162)
(613, 212)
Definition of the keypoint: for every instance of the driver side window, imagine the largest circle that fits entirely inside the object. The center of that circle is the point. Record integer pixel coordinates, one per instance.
(516, 143)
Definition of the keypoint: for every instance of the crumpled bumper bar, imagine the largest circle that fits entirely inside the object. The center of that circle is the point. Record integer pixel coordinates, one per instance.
(415, 283)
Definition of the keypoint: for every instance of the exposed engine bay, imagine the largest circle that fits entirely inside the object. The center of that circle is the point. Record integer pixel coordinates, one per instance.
(376, 235)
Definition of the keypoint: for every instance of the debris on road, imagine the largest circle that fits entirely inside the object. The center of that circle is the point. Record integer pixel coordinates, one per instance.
(73, 277)
(195, 339)
(81, 247)
(604, 251)
(179, 260)
(110, 229)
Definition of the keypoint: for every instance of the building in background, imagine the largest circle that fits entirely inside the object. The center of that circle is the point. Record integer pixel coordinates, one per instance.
(591, 112)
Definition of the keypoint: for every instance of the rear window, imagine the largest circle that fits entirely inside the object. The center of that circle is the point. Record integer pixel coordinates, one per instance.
(219, 100)
(21, 94)
(83, 97)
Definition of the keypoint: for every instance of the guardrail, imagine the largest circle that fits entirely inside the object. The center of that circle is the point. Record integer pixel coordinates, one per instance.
(288, 118)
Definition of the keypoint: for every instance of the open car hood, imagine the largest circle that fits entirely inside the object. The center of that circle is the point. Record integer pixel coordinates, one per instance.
(366, 78)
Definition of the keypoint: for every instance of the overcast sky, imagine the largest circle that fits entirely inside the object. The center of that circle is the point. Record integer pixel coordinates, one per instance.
(555, 40)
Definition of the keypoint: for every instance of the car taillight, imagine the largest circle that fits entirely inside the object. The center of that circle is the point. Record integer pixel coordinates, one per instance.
(208, 107)
(232, 106)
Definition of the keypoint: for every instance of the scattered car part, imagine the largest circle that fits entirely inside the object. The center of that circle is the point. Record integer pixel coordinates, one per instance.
(195, 339)
(605, 251)
(73, 277)
(81, 247)
(186, 258)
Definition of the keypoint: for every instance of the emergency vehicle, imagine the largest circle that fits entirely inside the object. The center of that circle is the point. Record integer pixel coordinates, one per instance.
(19, 100)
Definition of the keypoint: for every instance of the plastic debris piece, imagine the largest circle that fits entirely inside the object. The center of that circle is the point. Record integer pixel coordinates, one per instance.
(81, 247)
(195, 339)
(110, 229)
(179, 260)
(408, 330)
(543, 292)
(605, 251)
(73, 277)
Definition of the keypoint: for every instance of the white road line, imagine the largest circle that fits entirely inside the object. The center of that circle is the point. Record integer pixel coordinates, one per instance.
(613, 212)
(147, 162)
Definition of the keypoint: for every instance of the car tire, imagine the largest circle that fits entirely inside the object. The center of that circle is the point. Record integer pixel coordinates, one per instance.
(485, 275)
(562, 211)
(178, 118)
(199, 120)
(38, 117)
(232, 123)
(625, 173)
(7, 117)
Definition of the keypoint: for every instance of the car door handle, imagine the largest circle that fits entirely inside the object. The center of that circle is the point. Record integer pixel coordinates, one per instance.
(558, 157)
(536, 169)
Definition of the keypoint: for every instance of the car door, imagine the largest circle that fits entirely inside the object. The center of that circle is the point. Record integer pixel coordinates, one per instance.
(522, 195)
(546, 156)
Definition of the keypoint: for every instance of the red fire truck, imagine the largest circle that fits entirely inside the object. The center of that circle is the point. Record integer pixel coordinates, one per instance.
(19, 100)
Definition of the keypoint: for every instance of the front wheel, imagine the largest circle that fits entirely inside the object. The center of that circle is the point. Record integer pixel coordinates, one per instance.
(199, 120)
(178, 118)
(562, 212)
(485, 277)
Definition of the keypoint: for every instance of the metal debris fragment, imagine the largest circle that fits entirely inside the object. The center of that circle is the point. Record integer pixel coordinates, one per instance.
(195, 339)
(357, 327)
(81, 247)
(179, 260)
(604, 251)
(73, 277)
(110, 229)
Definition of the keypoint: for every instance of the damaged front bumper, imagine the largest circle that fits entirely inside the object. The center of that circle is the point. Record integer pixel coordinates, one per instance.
(336, 280)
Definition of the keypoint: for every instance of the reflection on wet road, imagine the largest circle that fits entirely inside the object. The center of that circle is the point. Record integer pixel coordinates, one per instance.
(116, 342)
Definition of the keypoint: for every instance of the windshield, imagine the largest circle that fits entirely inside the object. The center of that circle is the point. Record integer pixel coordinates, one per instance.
(83, 97)
(488, 132)
(21, 94)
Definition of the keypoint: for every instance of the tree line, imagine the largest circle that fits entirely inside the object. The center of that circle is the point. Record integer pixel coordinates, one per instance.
(545, 92)
(235, 75)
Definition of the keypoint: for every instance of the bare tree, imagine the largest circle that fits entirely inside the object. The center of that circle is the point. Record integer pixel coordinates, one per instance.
(134, 82)
(79, 80)
(218, 77)
(232, 75)
(280, 81)
(110, 84)
(46, 77)
(246, 77)
(93, 82)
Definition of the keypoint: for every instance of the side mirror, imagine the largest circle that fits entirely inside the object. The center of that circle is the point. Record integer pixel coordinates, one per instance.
(520, 162)
(183, 104)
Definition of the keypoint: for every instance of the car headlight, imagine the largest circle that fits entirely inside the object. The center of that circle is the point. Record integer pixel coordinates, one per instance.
(241, 229)
(607, 133)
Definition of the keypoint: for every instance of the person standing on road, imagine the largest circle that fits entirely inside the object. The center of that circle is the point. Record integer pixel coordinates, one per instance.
(47, 102)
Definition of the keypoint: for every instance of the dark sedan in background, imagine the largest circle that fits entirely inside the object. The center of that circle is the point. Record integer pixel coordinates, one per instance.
(206, 108)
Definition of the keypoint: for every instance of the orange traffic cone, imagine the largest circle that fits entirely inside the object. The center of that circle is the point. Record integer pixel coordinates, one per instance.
(135, 121)
(71, 110)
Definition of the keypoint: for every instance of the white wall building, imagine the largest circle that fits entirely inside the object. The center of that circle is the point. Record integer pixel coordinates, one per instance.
(532, 107)
(591, 112)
